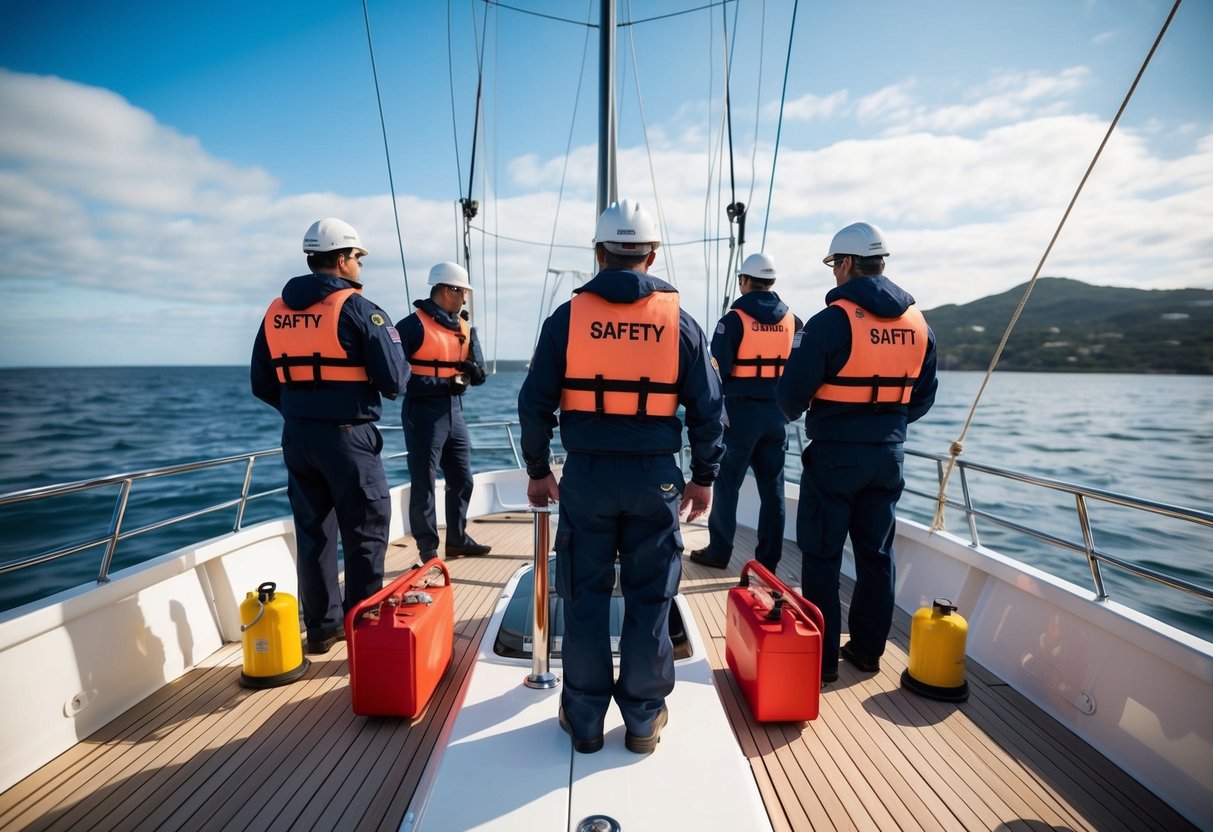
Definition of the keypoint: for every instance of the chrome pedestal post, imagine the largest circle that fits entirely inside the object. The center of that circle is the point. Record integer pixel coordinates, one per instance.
(541, 678)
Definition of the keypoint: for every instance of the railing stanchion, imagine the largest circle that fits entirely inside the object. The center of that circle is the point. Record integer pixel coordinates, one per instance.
(969, 515)
(248, 479)
(541, 678)
(115, 532)
(1088, 540)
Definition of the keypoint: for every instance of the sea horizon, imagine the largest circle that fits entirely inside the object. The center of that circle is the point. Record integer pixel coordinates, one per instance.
(63, 425)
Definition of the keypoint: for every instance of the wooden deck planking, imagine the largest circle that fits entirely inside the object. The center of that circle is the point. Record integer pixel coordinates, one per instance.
(996, 761)
(205, 753)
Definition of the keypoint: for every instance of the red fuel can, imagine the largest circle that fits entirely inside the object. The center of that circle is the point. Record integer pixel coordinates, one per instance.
(773, 647)
(400, 641)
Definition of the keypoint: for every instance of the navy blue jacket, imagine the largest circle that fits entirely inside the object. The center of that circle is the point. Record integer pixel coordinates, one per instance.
(820, 350)
(766, 308)
(412, 333)
(369, 338)
(698, 383)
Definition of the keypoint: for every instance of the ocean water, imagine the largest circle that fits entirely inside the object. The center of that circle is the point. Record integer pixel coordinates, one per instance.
(1147, 436)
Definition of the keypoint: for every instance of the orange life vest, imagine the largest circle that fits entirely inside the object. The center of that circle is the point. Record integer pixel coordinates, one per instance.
(764, 348)
(441, 349)
(303, 343)
(886, 355)
(622, 358)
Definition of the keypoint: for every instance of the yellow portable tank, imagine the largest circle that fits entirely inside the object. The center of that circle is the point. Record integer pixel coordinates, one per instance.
(937, 653)
(273, 647)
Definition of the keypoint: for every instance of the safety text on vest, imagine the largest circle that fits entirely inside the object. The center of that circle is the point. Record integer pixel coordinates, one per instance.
(892, 336)
(625, 331)
(297, 320)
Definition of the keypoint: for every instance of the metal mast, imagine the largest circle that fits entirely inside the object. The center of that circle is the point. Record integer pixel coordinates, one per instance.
(608, 191)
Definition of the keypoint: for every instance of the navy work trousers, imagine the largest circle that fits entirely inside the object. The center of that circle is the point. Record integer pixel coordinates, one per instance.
(756, 437)
(437, 437)
(335, 481)
(850, 488)
(625, 508)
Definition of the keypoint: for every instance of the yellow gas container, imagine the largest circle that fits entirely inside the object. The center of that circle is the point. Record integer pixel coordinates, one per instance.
(937, 653)
(273, 647)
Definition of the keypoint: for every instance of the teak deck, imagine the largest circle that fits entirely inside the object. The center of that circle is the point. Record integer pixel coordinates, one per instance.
(206, 753)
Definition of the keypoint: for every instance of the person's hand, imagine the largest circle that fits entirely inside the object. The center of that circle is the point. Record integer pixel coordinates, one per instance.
(472, 370)
(543, 492)
(698, 498)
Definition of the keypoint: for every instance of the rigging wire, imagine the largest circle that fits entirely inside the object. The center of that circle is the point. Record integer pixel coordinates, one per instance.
(644, 132)
(366, 16)
(676, 14)
(709, 182)
(540, 14)
(450, 74)
(506, 238)
(783, 96)
(468, 206)
(736, 211)
(711, 218)
(568, 149)
(957, 446)
(496, 203)
(762, 50)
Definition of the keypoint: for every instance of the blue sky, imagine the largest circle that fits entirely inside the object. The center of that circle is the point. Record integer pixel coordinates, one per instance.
(160, 162)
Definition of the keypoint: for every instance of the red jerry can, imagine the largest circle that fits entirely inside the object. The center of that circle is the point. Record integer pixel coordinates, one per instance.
(400, 641)
(773, 647)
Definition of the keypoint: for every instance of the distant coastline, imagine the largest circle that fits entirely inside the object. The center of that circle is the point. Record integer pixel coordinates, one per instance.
(1072, 327)
(1067, 327)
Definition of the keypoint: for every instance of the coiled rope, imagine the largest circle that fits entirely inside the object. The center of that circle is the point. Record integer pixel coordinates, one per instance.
(957, 446)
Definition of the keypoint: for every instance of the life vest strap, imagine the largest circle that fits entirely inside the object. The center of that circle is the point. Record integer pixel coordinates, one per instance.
(759, 362)
(600, 386)
(434, 363)
(876, 383)
(315, 361)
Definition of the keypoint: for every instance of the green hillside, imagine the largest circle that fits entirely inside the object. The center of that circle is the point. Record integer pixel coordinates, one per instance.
(1069, 326)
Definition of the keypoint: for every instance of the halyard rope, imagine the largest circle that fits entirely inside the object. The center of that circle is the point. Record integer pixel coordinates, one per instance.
(957, 446)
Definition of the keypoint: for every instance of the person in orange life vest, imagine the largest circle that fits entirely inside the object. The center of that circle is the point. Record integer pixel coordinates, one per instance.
(617, 360)
(751, 344)
(444, 354)
(323, 357)
(864, 367)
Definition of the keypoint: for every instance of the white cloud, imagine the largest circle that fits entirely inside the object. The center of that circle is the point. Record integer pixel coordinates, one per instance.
(809, 107)
(127, 242)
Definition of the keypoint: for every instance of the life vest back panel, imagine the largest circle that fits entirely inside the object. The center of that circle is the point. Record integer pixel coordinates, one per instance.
(441, 349)
(303, 343)
(622, 358)
(886, 355)
(764, 348)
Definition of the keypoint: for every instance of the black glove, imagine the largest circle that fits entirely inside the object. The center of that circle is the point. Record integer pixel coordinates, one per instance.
(472, 370)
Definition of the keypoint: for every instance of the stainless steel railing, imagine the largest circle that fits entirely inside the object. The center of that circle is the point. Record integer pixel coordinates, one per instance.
(1082, 495)
(125, 482)
(116, 533)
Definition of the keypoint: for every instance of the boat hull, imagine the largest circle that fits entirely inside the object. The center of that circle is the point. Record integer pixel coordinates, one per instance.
(1134, 688)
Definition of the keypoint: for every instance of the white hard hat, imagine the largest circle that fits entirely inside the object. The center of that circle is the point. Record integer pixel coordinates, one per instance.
(331, 234)
(760, 266)
(859, 239)
(447, 273)
(626, 228)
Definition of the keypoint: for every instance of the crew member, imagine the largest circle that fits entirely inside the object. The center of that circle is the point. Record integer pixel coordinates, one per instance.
(444, 353)
(751, 345)
(323, 357)
(617, 360)
(864, 367)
